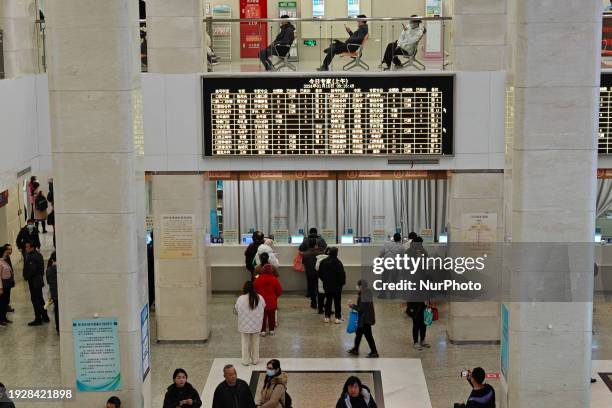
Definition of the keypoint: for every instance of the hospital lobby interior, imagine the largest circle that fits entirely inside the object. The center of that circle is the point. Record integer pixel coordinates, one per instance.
(251, 187)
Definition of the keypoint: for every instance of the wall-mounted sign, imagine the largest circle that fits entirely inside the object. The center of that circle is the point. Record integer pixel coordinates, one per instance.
(96, 354)
(177, 233)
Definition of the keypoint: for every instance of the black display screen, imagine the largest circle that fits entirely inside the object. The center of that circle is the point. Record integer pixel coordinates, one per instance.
(605, 114)
(344, 115)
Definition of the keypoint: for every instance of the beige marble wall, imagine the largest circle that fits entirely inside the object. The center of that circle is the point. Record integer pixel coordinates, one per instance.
(175, 32)
(471, 322)
(17, 21)
(479, 29)
(182, 286)
(556, 77)
(94, 88)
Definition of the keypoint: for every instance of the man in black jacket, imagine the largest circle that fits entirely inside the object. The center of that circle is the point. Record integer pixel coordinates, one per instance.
(233, 392)
(350, 45)
(251, 252)
(33, 273)
(285, 38)
(309, 260)
(29, 233)
(482, 395)
(313, 233)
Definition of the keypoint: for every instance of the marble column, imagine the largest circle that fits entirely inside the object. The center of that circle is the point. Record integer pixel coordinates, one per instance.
(479, 35)
(175, 42)
(556, 86)
(18, 23)
(95, 111)
(477, 192)
(182, 281)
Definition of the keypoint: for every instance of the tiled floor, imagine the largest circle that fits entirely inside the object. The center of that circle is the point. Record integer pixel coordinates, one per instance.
(29, 356)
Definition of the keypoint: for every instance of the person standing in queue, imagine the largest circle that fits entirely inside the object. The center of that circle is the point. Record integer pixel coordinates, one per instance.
(366, 319)
(33, 273)
(268, 286)
(355, 394)
(29, 233)
(333, 276)
(8, 251)
(181, 393)
(250, 310)
(52, 282)
(113, 402)
(40, 210)
(232, 392)
(274, 391)
(268, 248)
(251, 251)
(264, 259)
(309, 259)
(7, 282)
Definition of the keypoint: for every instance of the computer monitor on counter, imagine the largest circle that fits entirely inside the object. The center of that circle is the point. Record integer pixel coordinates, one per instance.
(347, 239)
(297, 239)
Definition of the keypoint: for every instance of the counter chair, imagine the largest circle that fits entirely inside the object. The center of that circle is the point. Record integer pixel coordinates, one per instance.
(355, 51)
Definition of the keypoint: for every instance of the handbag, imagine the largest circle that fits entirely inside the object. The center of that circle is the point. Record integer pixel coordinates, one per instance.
(428, 316)
(353, 320)
(298, 266)
(436, 314)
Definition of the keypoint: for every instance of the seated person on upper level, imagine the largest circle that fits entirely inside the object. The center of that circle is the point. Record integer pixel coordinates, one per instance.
(284, 37)
(609, 8)
(407, 43)
(339, 47)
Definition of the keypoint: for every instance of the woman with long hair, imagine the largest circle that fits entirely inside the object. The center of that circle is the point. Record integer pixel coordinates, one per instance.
(250, 310)
(268, 286)
(274, 391)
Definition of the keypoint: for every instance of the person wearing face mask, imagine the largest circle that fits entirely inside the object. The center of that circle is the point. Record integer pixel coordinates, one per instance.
(181, 393)
(29, 233)
(406, 44)
(274, 391)
(232, 392)
(355, 395)
(366, 319)
(482, 395)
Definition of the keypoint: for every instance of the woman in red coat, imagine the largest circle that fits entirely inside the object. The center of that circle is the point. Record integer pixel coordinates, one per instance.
(268, 286)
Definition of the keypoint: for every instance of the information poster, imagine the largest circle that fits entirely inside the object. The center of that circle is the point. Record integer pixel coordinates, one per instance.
(377, 226)
(433, 39)
(479, 227)
(281, 236)
(96, 354)
(177, 236)
(427, 235)
(253, 36)
(145, 341)
(279, 222)
(505, 341)
(230, 236)
(329, 235)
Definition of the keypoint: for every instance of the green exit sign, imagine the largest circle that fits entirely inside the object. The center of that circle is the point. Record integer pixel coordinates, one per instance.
(310, 43)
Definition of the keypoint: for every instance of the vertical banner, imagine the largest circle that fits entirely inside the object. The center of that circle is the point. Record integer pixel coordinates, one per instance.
(505, 339)
(253, 36)
(434, 37)
(96, 354)
(177, 233)
(145, 342)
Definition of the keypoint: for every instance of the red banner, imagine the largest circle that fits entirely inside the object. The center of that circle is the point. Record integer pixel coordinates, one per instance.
(253, 36)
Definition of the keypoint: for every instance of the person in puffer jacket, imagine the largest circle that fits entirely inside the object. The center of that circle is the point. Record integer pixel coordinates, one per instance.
(355, 395)
(267, 247)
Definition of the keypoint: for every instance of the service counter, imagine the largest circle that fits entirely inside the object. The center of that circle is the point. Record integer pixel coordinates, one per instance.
(229, 272)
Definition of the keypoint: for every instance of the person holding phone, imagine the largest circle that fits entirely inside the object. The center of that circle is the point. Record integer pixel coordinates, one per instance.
(406, 44)
(482, 395)
(338, 47)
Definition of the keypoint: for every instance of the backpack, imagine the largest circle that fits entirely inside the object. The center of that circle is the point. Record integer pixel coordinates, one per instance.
(288, 401)
(41, 203)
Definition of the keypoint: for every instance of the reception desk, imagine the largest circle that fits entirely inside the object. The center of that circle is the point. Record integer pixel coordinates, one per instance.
(229, 272)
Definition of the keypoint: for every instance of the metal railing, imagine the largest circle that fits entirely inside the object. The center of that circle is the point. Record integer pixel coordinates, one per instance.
(312, 37)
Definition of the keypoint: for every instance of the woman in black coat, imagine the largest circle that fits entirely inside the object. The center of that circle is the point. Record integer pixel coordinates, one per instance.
(331, 272)
(366, 320)
(181, 393)
(355, 395)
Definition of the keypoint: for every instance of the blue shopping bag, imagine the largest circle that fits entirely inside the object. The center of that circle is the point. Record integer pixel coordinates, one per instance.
(351, 327)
